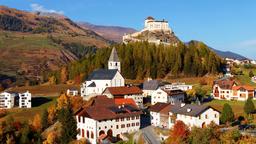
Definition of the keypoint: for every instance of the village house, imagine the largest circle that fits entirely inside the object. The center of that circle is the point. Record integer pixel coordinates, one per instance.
(166, 96)
(177, 86)
(165, 115)
(149, 86)
(25, 100)
(227, 89)
(72, 92)
(132, 92)
(104, 118)
(7, 100)
(100, 79)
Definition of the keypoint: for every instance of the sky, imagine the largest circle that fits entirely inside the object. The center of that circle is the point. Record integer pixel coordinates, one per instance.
(227, 25)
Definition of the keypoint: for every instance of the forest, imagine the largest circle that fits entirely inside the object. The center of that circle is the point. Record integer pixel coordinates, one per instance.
(140, 60)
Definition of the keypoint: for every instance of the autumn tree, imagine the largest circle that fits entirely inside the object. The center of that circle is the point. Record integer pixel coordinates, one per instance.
(36, 123)
(62, 101)
(227, 114)
(230, 137)
(63, 75)
(251, 74)
(179, 133)
(52, 116)
(52, 138)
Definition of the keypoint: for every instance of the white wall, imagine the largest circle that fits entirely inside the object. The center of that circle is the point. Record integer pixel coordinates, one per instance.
(159, 96)
(25, 100)
(6, 100)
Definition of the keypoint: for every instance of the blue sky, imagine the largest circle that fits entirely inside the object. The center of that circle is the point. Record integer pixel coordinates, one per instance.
(222, 24)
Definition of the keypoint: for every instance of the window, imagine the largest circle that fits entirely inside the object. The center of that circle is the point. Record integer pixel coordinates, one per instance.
(123, 126)
(206, 116)
(133, 124)
(92, 135)
(200, 117)
(99, 128)
(83, 120)
(117, 120)
(128, 118)
(82, 132)
(137, 124)
(117, 126)
(137, 117)
(133, 118)
(215, 115)
(128, 125)
(122, 119)
(87, 134)
(78, 119)
(105, 127)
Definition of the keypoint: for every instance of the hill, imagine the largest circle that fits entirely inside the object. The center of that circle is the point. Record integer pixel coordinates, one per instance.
(114, 33)
(228, 54)
(33, 44)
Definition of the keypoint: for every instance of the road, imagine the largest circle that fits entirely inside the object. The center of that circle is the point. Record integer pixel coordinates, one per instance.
(150, 136)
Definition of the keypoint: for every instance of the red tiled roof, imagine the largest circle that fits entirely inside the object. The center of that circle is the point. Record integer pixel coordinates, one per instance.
(225, 83)
(104, 108)
(122, 101)
(160, 107)
(249, 88)
(124, 90)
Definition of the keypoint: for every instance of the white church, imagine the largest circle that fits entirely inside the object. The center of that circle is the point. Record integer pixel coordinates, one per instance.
(100, 79)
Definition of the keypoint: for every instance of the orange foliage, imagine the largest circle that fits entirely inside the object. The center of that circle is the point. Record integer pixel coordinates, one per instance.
(36, 123)
(77, 102)
(179, 133)
(51, 138)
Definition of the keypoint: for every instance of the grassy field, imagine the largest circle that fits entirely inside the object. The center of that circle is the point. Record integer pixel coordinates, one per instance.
(45, 90)
(237, 106)
(38, 105)
(245, 79)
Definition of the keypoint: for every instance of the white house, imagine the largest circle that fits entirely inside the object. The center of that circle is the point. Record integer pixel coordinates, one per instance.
(7, 100)
(25, 100)
(193, 115)
(104, 118)
(149, 86)
(72, 92)
(100, 79)
(177, 86)
(132, 92)
(165, 115)
(166, 96)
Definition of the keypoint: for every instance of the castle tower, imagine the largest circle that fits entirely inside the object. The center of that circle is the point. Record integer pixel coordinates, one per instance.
(113, 62)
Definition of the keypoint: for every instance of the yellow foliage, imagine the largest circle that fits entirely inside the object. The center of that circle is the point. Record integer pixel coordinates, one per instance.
(62, 101)
(51, 114)
(51, 138)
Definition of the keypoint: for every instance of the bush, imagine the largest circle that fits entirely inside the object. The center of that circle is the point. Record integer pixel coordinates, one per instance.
(3, 113)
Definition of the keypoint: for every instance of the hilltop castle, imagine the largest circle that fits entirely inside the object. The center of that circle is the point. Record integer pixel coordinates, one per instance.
(154, 31)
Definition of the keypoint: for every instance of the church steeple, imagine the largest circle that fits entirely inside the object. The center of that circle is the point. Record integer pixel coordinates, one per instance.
(113, 62)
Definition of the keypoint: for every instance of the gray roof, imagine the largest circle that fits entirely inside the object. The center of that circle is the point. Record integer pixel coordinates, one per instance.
(196, 110)
(114, 56)
(102, 74)
(92, 84)
(151, 85)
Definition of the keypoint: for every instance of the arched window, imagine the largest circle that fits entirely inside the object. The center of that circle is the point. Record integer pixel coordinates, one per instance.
(116, 64)
(82, 132)
(92, 135)
(87, 134)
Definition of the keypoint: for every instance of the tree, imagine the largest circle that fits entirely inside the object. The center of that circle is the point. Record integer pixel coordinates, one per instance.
(36, 123)
(51, 138)
(227, 114)
(179, 133)
(249, 107)
(24, 139)
(230, 137)
(251, 74)
(63, 75)
(44, 119)
(69, 125)
(62, 101)
(51, 114)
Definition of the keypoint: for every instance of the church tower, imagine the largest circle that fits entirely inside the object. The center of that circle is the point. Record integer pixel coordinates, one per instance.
(113, 62)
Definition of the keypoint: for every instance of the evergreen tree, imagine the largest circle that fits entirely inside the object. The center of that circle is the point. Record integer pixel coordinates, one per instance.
(69, 125)
(249, 107)
(227, 114)
(44, 119)
(251, 74)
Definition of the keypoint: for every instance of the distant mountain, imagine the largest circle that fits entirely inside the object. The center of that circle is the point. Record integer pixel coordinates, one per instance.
(33, 43)
(228, 54)
(113, 33)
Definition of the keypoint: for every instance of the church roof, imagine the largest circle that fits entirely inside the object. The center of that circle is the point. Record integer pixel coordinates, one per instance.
(102, 74)
(114, 56)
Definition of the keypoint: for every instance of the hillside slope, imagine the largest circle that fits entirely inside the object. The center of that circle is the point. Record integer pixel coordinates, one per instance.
(113, 33)
(33, 44)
